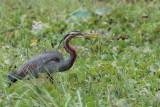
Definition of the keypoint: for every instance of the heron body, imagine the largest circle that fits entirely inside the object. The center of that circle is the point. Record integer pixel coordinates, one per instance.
(48, 62)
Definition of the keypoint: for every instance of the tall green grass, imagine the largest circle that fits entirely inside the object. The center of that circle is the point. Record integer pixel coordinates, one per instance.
(119, 69)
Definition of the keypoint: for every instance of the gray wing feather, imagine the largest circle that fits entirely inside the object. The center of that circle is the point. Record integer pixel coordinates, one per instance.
(45, 62)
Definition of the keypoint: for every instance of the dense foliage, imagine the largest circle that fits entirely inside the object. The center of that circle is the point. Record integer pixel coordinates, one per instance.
(122, 68)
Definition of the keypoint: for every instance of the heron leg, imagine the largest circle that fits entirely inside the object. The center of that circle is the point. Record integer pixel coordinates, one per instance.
(51, 79)
(9, 84)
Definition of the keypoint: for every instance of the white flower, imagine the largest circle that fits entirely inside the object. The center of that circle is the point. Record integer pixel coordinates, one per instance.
(39, 27)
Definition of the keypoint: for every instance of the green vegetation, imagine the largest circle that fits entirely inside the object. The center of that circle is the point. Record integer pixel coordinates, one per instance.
(121, 69)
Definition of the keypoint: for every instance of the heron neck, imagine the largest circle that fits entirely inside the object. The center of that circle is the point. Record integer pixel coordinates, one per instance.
(71, 50)
(68, 63)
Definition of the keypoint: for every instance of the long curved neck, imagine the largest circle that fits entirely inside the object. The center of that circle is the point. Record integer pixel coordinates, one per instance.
(68, 63)
(71, 50)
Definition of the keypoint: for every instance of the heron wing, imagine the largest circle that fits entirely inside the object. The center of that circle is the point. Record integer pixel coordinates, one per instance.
(30, 67)
(37, 63)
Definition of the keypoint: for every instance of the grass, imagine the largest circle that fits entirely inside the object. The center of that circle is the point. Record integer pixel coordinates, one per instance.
(122, 68)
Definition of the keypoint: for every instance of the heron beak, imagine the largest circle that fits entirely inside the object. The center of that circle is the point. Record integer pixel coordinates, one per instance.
(90, 35)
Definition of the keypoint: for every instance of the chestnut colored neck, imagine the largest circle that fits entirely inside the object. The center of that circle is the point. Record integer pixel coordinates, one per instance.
(71, 50)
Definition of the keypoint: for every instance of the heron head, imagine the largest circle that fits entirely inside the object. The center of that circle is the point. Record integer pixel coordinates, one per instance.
(79, 34)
